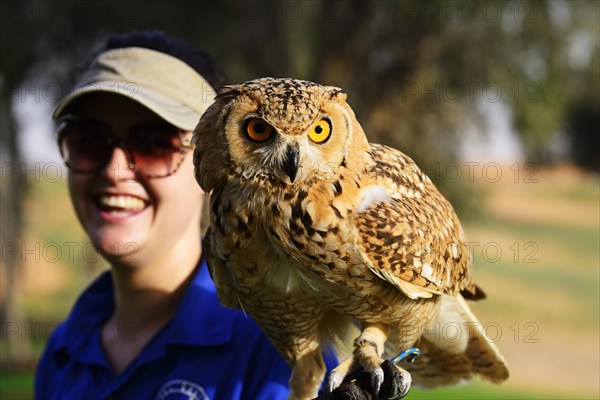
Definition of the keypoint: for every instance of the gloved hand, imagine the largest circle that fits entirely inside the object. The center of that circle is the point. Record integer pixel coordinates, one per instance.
(360, 388)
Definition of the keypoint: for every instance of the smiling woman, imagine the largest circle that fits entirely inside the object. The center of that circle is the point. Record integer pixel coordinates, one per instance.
(125, 194)
(152, 326)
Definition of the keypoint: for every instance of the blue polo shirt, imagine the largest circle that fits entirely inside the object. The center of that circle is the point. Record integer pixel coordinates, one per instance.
(205, 352)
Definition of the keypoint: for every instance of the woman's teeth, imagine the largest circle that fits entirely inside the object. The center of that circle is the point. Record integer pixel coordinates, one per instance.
(122, 202)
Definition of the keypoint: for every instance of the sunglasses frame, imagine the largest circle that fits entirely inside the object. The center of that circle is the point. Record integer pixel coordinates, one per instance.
(185, 146)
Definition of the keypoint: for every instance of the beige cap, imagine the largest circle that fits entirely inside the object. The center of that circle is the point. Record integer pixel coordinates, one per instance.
(164, 84)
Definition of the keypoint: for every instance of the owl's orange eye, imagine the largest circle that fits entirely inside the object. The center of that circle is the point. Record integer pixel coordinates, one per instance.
(258, 130)
(320, 132)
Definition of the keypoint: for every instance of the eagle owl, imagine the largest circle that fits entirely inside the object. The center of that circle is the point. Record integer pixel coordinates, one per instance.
(313, 230)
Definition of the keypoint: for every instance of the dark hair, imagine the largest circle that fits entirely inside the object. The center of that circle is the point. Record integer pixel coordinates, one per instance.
(159, 41)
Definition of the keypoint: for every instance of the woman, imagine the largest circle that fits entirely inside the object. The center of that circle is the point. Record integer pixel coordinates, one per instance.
(152, 326)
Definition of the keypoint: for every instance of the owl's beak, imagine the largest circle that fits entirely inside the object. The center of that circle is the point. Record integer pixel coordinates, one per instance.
(290, 164)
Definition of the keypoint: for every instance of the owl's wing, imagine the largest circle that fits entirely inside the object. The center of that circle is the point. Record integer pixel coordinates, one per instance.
(225, 291)
(436, 366)
(409, 233)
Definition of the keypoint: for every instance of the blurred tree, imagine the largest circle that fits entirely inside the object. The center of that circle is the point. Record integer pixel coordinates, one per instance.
(583, 117)
(414, 70)
(13, 187)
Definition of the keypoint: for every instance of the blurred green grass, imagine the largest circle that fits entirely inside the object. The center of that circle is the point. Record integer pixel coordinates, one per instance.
(16, 386)
(583, 240)
(19, 387)
(547, 256)
(478, 391)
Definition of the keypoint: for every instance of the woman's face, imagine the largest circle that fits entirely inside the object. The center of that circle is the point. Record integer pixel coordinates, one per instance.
(129, 218)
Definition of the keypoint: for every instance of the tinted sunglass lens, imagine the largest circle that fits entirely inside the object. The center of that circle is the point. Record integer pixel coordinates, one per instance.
(85, 146)
(155, 149)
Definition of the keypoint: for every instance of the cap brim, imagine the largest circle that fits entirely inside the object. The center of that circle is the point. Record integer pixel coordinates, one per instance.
(170, 110)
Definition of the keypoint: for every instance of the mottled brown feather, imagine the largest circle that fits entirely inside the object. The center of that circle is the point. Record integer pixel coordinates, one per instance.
(417, 218)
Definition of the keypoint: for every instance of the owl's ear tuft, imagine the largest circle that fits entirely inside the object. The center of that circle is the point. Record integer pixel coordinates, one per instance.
(228, 93)
(333, 93)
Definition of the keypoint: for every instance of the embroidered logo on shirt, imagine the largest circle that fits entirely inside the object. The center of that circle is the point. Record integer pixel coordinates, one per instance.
(179, 389)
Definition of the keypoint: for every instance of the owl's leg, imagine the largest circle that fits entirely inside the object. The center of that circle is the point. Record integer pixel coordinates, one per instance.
(308, 372)
(368, 348)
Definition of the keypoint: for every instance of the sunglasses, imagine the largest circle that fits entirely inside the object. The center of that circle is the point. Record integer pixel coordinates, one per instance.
(153, 149)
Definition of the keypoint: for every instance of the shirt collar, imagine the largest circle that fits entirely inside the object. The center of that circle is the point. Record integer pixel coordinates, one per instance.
(199, 320)
(91, 309)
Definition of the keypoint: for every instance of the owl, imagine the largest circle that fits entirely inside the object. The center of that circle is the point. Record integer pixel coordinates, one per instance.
(313, 230)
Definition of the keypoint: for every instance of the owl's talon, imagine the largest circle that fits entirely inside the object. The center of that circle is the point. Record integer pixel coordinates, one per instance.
(335, 380)
(405, 384)
(376, 381)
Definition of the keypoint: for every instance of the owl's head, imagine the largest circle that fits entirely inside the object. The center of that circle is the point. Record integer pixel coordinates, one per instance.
(284, 131)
